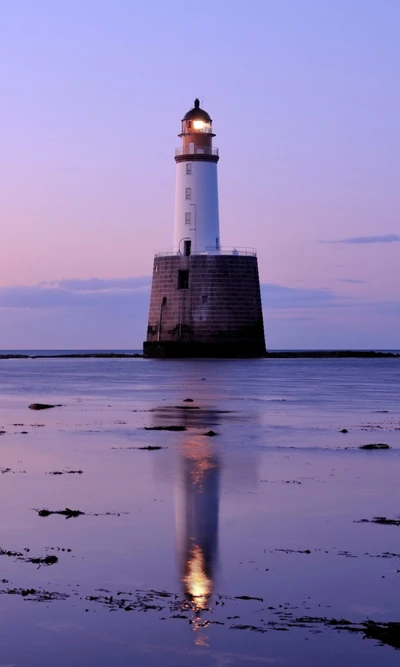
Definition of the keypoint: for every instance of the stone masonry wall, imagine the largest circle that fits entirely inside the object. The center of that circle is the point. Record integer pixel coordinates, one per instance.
(222, 303)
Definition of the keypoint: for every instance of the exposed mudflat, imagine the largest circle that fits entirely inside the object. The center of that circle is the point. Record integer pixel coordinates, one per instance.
(131, 538)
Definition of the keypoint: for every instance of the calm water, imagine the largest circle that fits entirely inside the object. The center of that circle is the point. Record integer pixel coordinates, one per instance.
(237, 549)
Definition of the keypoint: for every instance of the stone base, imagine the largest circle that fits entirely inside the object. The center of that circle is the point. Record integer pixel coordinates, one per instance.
(205, 306)
(178, 350)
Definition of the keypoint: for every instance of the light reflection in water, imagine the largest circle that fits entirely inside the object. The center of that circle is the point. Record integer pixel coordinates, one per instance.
(198, 586)
(197, 524)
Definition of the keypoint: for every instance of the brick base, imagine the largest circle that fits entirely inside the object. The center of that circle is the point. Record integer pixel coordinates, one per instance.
(205, 306)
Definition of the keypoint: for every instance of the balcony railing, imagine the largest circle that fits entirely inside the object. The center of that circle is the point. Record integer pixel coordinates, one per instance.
(196, 150)
(225, 250)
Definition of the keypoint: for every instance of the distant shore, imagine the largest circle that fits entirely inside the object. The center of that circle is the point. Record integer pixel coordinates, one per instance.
(303, 354)
(331, 354)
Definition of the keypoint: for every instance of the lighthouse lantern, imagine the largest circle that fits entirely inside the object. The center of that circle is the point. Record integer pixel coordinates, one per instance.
(196, 191)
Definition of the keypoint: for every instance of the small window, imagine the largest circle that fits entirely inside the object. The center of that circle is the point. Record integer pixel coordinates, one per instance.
(188, 218)
(186, 247)
(188, 193)
(204, 298)
(183, 279)
(164, 301)
(188, 167)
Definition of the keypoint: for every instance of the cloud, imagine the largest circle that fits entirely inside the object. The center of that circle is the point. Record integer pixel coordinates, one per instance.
(352, 281)
(360, 240)
(75, 314)
(283, 318)
(93, 293)
(99, 284)
(279, 296)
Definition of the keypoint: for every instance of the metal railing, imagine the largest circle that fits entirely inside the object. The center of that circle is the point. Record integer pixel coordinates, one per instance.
(196, 150)
(225, 250)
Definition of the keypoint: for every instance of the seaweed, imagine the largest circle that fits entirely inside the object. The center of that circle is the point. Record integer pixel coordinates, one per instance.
(381, 520)
(67, 512)
(165, 428)
(379, 445)
(43, 406)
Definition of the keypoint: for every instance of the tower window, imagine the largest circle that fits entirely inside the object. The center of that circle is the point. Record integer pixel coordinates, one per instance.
(188, 219)
(188, 193)
(183, 279)
(188, 167)
(204, 298)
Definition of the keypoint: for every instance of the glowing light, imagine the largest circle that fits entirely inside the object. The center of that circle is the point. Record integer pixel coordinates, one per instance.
(198, 124)
(198, 584)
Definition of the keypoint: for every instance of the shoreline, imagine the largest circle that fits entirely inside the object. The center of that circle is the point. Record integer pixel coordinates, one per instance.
(307, 354)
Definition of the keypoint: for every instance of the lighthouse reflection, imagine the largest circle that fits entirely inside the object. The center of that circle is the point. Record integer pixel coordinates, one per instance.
(197, 507)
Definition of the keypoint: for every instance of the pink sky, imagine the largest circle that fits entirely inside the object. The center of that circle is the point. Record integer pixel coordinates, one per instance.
(305, 103)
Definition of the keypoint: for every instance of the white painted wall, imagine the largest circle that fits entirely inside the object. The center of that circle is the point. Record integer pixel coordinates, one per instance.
(203, 228)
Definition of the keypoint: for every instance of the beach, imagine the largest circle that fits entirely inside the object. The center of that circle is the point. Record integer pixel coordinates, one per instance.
(213, 511)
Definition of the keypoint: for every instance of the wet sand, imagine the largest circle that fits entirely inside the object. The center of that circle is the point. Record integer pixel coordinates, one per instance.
(255, 545)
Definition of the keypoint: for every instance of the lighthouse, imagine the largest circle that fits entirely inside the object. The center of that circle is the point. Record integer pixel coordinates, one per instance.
(205, 297)
(196, 225)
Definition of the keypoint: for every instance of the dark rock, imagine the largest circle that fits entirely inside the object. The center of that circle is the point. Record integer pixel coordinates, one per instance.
(294, 551)
(68, 513)
(253, 628)
(332, 354)
(210, 434)
(386, 633)
(188, 400)
(37, 595)
(89, 355)
(165, 428)
(248, 597)
(47, 560)
(14, 554)
(344, 430)
(150, 448)
(186, 407)
(375, 446)
(382, 520)
(66, 472)
(42, 406)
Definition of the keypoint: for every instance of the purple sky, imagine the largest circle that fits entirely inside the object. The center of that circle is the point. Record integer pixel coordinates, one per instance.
(306, 105)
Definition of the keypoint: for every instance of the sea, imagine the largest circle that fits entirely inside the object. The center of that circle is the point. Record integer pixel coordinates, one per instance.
(214, 513)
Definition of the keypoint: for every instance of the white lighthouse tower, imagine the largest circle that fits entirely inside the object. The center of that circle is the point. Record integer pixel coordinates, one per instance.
(205, 299)
(196, 225)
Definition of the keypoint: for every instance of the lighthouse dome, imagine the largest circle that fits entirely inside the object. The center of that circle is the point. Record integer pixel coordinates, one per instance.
(197, 113)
